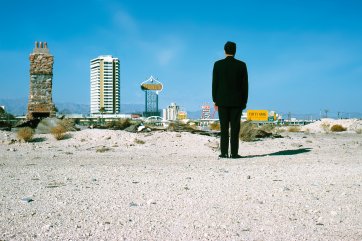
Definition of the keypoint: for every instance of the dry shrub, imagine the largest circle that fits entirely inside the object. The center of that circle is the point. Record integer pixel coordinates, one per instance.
(179, 126)
(279, 130)
(325, 127)
(68, 124)
(251, 132)
(120, 124)
(103, 149)
(58, 132)
(138, 141)
(192, 124)
(359, 131)
(215, 126)
(294, 129)
(248, 131)
(171, 126)
(338, 128)
(26, 134)
(267, 128)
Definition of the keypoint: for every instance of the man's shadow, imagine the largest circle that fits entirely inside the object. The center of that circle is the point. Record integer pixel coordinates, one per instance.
(282, 153)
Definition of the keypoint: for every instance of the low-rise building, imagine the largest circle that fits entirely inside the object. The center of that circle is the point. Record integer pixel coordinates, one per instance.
(171, 112)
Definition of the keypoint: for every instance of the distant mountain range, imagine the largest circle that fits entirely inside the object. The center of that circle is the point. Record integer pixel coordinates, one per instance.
(18, 107)
(15, 106)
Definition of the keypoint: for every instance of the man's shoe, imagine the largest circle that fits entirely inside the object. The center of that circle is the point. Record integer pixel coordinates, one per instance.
(223, 156)
(237, 156)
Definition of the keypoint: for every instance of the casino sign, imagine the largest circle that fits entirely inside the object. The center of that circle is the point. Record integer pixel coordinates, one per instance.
(152, 84)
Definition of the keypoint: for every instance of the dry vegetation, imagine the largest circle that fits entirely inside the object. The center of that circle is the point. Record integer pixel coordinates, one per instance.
(138, 141)
(359, 131)
(103, 149)
(25, 134)
(172, 126)
(338, 128)
(120, 124)
(59, 132)
(268, 128)
(179, 126)
(248, 131)
(326, 127)
(293, 129)
(68, 124)
(215, 126)
(279, 130)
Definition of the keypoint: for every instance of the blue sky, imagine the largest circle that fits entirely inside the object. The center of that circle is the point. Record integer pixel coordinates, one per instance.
(302, 56)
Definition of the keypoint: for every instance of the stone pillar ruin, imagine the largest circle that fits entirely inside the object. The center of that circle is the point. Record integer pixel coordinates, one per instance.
(40, 103)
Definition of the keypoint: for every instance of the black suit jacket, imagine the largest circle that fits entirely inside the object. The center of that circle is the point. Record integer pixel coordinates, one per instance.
(230, 83)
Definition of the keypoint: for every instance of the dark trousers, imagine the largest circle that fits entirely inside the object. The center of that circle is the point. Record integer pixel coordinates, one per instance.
(229, 116)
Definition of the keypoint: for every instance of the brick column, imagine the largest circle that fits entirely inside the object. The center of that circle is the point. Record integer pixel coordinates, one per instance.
(40, 104)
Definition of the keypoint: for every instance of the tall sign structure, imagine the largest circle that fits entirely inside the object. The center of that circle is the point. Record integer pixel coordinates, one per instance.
(206, 112)
(40, 103)
(152, 87)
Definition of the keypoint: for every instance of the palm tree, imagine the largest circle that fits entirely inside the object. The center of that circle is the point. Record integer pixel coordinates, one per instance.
(2, 111)
(102, 110)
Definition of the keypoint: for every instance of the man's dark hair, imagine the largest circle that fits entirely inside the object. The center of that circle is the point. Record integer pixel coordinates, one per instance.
(230, 48)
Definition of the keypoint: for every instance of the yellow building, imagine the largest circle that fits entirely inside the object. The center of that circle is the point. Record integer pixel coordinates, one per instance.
(182, 115)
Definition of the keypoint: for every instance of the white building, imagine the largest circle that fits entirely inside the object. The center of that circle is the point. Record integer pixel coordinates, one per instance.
(104, 85)
(171, 112)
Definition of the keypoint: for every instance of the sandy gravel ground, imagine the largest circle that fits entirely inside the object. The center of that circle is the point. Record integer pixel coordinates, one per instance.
(173, 187)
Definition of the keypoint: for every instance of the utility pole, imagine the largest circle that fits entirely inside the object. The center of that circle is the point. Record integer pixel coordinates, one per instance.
(326, 111)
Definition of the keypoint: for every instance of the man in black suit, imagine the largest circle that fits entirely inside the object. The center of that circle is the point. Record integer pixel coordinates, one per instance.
(230, 96)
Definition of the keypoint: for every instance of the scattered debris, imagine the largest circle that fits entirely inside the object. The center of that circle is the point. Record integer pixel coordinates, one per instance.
(133, 204)
(213, 144)
(55, 184)
(286, 189)
(151, 201)
(27, 199)
(12, 141)
(141, 128)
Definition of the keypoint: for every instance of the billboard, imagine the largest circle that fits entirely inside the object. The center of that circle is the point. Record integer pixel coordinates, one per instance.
(257, 115)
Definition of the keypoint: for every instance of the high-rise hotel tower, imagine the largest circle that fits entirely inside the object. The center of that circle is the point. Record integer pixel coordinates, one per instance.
(105, 85)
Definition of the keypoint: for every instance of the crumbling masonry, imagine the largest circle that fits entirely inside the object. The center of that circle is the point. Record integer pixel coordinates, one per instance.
(40, 104)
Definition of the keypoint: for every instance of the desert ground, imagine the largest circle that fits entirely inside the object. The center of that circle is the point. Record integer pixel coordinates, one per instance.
(115, 185)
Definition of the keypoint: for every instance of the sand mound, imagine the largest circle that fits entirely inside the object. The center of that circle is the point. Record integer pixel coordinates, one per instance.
(324, 125)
